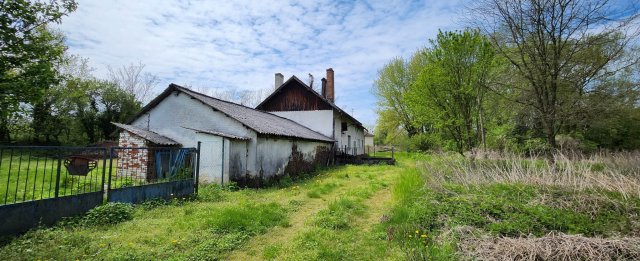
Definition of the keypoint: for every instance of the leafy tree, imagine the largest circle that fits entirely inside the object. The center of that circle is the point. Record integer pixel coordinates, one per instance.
(393, 82)
(558, 47)
(451, 88)
(28, 53)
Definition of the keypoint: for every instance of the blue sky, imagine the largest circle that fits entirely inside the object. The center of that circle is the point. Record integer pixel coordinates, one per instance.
(241, 45)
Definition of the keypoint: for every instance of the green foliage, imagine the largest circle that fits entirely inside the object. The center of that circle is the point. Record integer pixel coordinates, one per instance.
(29, 54)
(108, 214)
(449, 93)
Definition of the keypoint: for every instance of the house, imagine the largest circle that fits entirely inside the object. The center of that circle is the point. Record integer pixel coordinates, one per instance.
(368, 142)
(297, 101)
(238, 143)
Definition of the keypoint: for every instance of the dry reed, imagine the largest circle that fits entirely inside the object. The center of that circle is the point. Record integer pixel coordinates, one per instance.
(618, 172)
(554, 246)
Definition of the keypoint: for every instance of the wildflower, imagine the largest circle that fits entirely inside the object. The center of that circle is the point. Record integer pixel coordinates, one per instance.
(423, 236)
(417, 231)
(174, 241)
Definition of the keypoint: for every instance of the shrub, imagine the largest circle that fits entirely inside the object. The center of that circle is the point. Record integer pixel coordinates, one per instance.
(108, 214)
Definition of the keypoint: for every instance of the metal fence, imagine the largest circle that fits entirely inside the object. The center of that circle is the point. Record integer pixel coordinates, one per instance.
(40, 185)
(35, 173)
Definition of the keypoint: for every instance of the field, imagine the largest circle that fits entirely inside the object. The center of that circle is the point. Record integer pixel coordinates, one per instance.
(428, 207)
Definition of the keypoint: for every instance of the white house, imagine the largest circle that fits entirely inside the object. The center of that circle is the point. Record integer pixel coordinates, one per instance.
(238, 143)
(297, 101)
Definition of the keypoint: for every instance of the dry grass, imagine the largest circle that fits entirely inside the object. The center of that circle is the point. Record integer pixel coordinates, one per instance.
(554, 246)
(619, 172)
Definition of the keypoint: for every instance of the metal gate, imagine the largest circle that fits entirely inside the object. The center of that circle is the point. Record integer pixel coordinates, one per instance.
(139, 174)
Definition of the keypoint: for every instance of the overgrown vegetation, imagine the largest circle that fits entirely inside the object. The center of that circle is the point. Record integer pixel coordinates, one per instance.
(524, 77)
(461, 208)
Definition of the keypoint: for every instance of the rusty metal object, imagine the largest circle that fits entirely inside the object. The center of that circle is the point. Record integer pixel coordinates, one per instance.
(80, 165)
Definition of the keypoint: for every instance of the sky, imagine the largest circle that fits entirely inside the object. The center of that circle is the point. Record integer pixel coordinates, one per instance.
(241, 45)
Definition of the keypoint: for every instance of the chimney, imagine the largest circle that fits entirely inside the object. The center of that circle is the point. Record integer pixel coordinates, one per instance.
(279, 80)
(324, 87)
(330, 85)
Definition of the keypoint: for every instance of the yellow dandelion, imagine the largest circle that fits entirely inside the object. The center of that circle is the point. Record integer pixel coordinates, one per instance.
(423, 236)
(174, 241)
(417, 231)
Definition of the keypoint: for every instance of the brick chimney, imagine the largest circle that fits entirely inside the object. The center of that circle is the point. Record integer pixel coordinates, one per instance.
(324, 88)
(279, 79)
(330, 86)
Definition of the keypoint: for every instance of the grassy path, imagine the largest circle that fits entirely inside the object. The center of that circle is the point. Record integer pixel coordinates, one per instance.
(368, 186)
(333, 216)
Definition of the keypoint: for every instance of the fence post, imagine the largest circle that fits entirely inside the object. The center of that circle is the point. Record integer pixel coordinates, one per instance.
(104, 169)
(110, 172)
(393, 148)
(57, 191)
(197, 181)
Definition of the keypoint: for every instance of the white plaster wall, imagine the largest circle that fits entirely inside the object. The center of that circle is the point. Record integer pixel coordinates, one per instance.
(320, 121)
(178, 109)
(212, 157)
(237, 159)
(275, 153)
(342, 138)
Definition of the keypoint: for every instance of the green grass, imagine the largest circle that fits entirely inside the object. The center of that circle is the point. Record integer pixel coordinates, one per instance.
(378, 212)
(429, 209)
(34, 177)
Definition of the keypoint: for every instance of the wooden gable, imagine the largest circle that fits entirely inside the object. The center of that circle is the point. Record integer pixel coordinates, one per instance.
(293, 96)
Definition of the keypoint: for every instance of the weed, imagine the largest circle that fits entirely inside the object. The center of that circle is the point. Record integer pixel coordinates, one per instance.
(108, 214)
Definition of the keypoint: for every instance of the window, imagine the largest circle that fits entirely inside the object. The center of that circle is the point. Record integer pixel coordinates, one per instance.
(344, 126)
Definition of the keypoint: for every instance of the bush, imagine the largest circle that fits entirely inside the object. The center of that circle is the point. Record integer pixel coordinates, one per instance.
(108, 214)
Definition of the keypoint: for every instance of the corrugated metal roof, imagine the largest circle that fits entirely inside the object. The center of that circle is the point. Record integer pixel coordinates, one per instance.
(217, 133)
(147, 135)
(259, 121)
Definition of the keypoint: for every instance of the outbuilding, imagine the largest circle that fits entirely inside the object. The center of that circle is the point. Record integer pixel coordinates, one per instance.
(238, 143)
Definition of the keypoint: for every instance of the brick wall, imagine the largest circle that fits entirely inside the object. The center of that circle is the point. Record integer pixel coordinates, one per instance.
(132, 162)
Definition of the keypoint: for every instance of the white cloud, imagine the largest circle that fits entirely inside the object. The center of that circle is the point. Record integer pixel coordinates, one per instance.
(240, 45)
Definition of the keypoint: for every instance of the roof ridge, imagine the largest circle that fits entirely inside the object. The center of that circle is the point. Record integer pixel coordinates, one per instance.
(180, 88)
(209, 96)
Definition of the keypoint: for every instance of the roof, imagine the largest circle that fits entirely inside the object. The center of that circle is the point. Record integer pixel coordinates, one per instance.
(147, 135)
(217, 133)
(259, 121)
(294, 78)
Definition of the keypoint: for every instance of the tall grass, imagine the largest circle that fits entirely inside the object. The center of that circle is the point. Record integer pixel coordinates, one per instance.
(618, 172)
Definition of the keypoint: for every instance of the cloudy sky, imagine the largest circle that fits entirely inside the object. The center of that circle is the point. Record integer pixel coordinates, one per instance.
(240, 45)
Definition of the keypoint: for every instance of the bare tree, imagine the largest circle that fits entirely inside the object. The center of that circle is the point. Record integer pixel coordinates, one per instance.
(559, 47)
(132, 79)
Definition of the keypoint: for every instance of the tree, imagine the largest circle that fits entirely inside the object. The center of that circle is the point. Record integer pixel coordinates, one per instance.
(558, 47)
(133, 80)
(451, 88)
(391, 86)
(28, 53)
